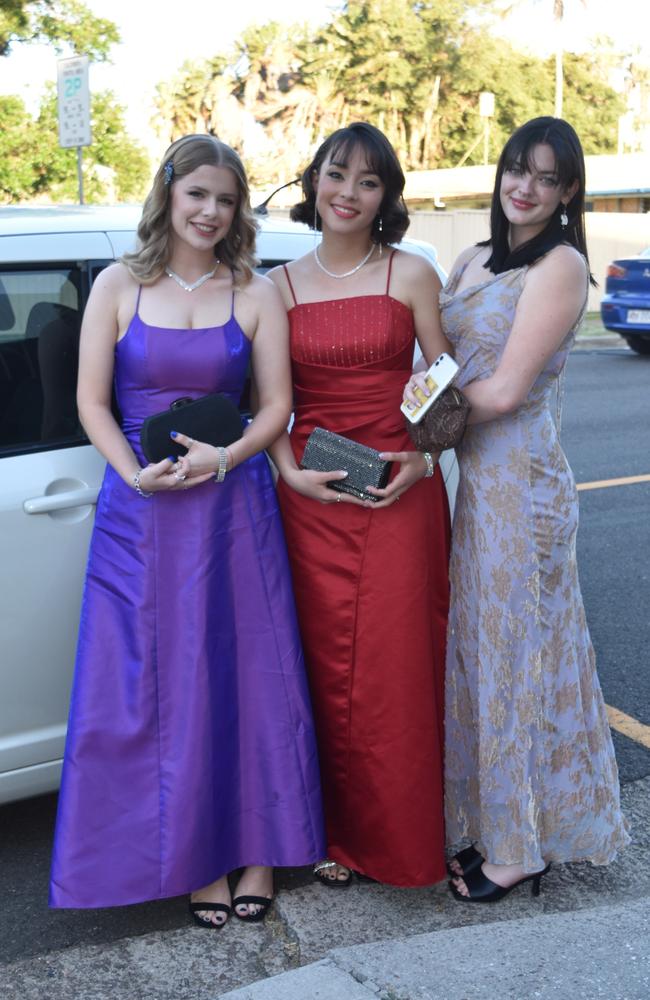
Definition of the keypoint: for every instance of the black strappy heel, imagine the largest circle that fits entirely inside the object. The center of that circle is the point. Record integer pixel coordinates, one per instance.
(252, 918)
(195, 909)
(483, 890)
(469, 859)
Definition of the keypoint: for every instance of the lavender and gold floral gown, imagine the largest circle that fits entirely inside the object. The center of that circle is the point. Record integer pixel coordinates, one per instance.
(191, 748)
(530, 768)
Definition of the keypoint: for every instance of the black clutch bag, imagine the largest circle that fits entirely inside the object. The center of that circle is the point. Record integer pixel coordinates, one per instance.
(329, 452)
(213, 419)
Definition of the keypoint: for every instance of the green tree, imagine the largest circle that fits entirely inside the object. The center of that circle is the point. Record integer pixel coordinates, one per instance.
(62, 23)
(33, 165)
(557, 10)
(413, 68)
(18, 150)
(116, 168)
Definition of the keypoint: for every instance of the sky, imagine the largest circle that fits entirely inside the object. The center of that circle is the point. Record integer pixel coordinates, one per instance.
(152, 51)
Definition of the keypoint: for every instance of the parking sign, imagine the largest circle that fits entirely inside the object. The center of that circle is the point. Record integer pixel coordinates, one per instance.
(74, 101)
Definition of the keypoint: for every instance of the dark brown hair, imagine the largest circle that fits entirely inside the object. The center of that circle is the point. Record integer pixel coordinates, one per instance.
(569, 167)
(382, 161)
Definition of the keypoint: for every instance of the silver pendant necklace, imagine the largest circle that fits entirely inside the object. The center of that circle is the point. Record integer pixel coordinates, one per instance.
(195, 284)
(347, 273)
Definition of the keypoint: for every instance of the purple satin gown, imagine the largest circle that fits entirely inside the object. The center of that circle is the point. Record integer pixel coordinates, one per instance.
(190, 748)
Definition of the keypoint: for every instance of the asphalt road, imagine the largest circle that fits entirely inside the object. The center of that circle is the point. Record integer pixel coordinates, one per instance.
(606, 434)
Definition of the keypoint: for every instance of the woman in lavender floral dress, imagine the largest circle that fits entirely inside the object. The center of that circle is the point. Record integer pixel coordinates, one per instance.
(530, 771)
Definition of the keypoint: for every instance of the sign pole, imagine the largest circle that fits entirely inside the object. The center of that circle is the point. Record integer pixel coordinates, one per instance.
(74, 109)
(80, 176)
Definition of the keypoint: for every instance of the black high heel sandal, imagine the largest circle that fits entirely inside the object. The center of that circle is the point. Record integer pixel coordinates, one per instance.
(252, 918)
(195, 909)
(483, 890)
(469, 860)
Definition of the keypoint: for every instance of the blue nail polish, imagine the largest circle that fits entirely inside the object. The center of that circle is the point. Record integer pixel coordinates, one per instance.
(171, 458)
(173, 434)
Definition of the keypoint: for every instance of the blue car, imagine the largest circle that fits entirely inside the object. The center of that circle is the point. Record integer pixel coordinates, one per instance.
(625, 307)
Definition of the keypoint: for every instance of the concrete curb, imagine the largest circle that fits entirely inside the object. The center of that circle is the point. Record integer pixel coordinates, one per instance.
(600, 953)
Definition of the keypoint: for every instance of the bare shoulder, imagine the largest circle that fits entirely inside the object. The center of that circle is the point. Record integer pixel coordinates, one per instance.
(297, 273)
(278, 276)
(115, 279)
(563, 268)
(112, 298)
(262, 288)
(476, 254)
(414, 265)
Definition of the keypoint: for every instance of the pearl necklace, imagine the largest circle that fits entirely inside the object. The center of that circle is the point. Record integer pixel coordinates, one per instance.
(196, 284)
(347, 273)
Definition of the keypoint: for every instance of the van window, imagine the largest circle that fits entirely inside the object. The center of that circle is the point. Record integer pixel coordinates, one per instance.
(40, 316)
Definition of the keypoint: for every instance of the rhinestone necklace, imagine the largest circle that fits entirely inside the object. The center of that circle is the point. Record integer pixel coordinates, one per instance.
(347, 273)
(196, 284)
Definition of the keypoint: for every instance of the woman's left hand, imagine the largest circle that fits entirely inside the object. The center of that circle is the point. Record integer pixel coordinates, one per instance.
(413, 468)
(201, 460)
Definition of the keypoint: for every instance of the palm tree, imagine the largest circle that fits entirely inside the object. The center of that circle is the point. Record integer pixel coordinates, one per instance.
(559, 9)
(558, 17)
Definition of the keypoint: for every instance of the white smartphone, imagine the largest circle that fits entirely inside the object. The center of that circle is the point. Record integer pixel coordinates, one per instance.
(440, 375)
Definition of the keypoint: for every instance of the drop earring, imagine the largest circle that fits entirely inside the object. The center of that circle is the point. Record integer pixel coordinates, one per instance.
(564, 218)
(380, 229)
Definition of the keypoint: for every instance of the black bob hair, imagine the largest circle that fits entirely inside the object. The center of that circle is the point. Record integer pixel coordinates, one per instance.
(382, 160)
(570, 167)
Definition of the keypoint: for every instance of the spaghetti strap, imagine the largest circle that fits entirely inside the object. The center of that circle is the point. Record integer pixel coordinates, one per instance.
(137, 301)
(293, 294)
(232, 300)
(390, 268)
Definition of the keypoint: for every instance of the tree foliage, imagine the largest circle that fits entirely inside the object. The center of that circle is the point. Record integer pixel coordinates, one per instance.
(414, 68)
(62, 23)
(33, 165)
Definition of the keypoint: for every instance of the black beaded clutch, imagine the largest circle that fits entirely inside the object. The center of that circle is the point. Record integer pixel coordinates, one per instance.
(329, 452)
(213, 419)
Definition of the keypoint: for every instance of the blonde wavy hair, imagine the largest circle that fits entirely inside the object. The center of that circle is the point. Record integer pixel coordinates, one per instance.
(236, 250)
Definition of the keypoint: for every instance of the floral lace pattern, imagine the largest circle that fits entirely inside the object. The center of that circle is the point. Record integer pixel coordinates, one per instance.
(530, 768)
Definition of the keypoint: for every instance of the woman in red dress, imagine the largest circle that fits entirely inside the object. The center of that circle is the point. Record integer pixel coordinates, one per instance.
(370, 577)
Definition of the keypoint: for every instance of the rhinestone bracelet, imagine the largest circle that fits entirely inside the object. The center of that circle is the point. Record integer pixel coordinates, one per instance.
(428, 458)
(223, 466)
(136, 485)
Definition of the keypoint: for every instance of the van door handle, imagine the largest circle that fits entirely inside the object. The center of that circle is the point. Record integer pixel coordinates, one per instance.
(60, 501)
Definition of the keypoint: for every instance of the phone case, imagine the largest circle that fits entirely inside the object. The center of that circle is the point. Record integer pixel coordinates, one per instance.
(440, 375)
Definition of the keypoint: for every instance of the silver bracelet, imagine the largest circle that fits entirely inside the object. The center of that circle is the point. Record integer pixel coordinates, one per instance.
(223, 466)
(136, 485)
(428, 458)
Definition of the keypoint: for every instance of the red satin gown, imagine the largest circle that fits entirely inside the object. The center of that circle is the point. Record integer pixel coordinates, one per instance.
(372, 595)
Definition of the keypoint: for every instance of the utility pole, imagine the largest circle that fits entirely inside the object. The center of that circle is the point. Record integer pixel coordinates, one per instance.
(486, 111)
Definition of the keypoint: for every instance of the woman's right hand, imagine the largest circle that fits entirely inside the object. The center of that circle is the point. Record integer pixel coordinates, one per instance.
(312, 484)
(160, 477)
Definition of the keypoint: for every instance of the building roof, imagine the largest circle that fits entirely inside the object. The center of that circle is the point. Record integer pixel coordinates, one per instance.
(617, 174)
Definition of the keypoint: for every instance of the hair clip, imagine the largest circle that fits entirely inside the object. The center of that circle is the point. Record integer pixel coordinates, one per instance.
(168, 171)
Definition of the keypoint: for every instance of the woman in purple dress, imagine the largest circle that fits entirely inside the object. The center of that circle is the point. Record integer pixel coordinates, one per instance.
(190, 749)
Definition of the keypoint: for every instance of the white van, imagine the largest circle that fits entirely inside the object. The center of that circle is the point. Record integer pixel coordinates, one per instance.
(49, 474)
